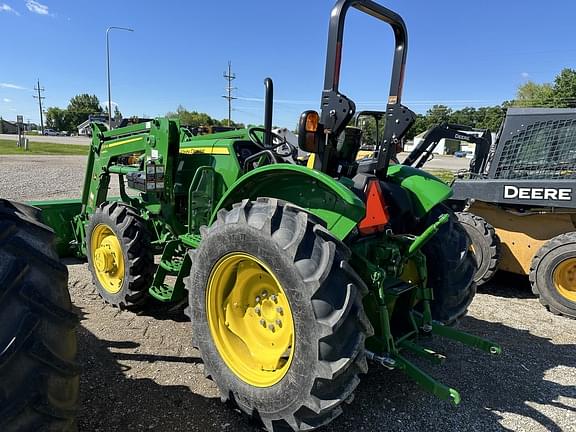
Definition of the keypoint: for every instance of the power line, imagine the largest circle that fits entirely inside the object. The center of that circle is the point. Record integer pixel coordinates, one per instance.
(40, 97)
(229, 77)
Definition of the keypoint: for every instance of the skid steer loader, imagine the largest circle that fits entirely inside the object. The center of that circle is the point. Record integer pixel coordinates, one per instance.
(519, 206)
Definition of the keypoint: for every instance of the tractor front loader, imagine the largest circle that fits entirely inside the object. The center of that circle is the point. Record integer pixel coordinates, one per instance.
(293, 276)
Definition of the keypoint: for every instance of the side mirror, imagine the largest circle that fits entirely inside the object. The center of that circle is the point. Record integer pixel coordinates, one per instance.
(309, 131)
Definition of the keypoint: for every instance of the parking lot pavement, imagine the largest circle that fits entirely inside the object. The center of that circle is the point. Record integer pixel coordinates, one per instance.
(50, 139)
(139, 372)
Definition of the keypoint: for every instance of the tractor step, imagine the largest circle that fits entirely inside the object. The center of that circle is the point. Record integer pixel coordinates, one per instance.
(172, 263)
(162, 293)
(172, 268)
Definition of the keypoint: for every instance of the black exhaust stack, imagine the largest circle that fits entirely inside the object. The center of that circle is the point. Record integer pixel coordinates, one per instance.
(268, 106)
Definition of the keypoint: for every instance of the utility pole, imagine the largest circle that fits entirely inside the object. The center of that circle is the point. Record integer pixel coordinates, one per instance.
(40, 97)
(229, 77)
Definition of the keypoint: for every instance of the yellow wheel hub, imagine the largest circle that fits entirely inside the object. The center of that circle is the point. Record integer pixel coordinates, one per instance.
(107, 258)
(565, 279)
(250, 319)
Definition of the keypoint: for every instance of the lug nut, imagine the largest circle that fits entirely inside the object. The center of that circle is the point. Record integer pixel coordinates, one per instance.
(257, 299)
(264, 293)
(279, 323)
(271, 327)
(279, 310)
(274, 298)
(263, 323)
(257, 310)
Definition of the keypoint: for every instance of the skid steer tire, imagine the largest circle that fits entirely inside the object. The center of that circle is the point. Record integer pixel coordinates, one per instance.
(553, 275)
(322, 296)
(485, 245)
(451, 268)
(38, 374)
(123, 272)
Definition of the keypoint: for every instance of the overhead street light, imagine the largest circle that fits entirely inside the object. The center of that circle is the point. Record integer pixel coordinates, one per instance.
(108, 67)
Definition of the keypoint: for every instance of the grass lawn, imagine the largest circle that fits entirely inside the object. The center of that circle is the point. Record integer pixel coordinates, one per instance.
(443, 174)
(8, 147)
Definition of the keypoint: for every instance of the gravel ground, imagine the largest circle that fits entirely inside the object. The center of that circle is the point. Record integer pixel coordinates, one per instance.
(140, 373)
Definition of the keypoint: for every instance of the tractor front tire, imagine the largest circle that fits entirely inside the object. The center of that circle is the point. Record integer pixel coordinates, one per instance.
(485, 245)
(553, 275)
(38, 374)
(277, 314)
(120, 255)
(451, 268)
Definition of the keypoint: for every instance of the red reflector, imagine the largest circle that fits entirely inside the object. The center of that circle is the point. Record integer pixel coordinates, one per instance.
(377, 216)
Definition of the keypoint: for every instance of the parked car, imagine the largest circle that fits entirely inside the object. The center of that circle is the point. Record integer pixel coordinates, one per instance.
(50, 132)
(462, 153)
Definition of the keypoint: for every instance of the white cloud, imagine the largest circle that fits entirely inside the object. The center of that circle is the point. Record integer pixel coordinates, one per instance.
(7, 100)
(37, 7)
(7, 8)
(525, 75)
(11, 86)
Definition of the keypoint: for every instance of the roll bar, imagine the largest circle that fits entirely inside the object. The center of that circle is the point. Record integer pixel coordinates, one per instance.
(336, 36)
(337, 110)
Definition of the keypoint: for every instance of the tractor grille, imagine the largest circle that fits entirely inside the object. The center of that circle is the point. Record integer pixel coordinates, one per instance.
(543, 150)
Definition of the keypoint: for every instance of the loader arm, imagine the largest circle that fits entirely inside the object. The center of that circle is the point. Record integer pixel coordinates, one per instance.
(422, 152)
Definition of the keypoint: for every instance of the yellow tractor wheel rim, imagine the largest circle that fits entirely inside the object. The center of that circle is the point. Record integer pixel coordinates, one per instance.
(107, 258)
(565, 279)
(250, 319)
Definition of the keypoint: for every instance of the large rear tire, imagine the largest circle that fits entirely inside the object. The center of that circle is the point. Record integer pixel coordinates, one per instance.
(451, 268)
(120, 256)
(293, 369)
(485, 245)
(553, 275)
(38, 374)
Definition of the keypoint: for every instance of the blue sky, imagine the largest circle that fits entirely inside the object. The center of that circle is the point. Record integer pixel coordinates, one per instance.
(461, 53)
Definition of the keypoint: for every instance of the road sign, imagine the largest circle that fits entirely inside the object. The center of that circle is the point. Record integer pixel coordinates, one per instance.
(20, 119)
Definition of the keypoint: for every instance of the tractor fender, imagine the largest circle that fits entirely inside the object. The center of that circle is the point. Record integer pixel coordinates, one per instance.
(312, 190)
(426, 190)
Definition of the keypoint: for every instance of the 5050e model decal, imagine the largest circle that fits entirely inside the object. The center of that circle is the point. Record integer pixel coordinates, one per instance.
(537, 193)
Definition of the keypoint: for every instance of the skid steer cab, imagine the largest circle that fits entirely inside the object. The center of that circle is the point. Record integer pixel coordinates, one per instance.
(293, 277)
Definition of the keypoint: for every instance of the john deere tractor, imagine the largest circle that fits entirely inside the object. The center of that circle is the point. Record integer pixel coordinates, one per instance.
(293, 276)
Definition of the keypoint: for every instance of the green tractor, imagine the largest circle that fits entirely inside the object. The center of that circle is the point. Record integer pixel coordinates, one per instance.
(293, 277)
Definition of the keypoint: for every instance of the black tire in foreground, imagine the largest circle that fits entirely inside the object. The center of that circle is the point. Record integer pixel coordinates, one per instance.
(553, 275)
(38, 374)
(325, 299)
(451, 268)
(119, 230)
(485, 245)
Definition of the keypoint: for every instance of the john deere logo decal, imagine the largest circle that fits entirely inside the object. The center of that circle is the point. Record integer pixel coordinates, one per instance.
(536, 193)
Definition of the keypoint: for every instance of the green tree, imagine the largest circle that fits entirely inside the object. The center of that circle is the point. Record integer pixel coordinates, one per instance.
(191, 118)
(80, 107)
(57, 118)
(490, 117)
(117, 115)
(532, 94)
(438, 114)
(419, 126)
(565, 89)
(466, 116)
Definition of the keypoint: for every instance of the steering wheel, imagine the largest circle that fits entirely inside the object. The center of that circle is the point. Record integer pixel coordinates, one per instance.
(278, 142)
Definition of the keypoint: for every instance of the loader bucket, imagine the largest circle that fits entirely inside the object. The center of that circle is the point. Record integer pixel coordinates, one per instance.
(59, 215)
